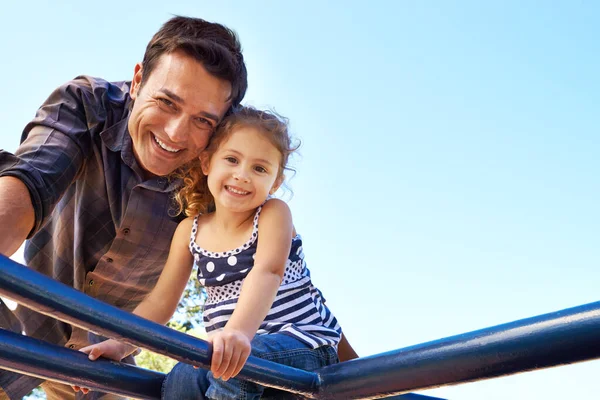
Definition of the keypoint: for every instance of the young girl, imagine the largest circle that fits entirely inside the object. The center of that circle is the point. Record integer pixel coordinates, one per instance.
(260, 297)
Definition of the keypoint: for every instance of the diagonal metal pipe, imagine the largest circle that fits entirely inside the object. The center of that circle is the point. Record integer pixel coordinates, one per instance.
(37, 358)
(553, 339)
(55, 299)
(34, 357)
(558, 338)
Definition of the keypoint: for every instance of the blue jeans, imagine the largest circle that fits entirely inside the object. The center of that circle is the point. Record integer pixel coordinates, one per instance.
(186, 382)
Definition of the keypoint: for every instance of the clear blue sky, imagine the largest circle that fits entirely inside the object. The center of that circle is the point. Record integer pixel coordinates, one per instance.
(448, 178)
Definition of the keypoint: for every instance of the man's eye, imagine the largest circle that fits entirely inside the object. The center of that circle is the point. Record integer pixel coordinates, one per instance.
(166, 102)
(204, 121)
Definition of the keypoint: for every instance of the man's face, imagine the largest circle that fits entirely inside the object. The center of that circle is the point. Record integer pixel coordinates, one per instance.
(175, 112)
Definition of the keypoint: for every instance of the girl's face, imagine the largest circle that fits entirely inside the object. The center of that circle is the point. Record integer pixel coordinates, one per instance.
(243, 171)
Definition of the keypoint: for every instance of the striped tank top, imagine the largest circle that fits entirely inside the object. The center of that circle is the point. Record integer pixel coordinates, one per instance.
(298, 309)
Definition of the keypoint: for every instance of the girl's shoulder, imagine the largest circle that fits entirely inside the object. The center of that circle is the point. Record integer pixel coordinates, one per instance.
(184, 228)
(195, 219)
(183, 231)
(186, 223)
(281, 208)
(275, 206)
(275, 212)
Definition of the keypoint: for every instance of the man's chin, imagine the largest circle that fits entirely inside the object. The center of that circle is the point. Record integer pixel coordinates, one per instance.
(158, 170)
(163, 167)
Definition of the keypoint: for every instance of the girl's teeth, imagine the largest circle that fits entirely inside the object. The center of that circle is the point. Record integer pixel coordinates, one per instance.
(235, 190)
(164, 146)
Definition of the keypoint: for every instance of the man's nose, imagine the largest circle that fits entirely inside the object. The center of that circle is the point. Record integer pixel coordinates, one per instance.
(177, 128)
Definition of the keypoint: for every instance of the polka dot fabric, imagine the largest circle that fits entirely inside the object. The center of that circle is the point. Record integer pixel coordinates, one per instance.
(220, 269)
(298, 308)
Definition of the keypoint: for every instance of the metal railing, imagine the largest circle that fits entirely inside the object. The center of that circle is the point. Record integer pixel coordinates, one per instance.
(553, 339)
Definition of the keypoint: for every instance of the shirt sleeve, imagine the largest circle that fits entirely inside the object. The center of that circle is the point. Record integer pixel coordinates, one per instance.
(54, 147)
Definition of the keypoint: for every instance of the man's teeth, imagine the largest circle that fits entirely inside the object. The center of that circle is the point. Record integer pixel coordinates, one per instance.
(236, 191)
(165, 147)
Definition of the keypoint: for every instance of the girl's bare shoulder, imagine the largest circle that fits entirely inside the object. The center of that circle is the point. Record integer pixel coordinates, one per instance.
(186, 224)
(276, 206)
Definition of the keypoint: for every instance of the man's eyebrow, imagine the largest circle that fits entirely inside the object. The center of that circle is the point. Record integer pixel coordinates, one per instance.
(172, 95)
(178, 99)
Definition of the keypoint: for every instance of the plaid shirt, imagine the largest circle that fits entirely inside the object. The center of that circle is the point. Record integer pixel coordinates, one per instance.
(99, 225)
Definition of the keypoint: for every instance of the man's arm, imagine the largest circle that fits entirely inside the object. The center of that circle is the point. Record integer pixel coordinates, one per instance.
(16, 214)
(55, 146)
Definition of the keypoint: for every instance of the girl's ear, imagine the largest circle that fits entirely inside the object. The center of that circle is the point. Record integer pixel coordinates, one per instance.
(204, 162)
(277, 184)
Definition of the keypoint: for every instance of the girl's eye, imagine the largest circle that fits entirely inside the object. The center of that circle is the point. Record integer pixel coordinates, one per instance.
(232, 160)
(260, 169)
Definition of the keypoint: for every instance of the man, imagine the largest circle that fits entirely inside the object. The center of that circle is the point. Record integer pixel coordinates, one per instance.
(89, 185)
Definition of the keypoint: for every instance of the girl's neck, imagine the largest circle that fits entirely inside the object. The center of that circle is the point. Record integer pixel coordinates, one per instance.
(227, 221)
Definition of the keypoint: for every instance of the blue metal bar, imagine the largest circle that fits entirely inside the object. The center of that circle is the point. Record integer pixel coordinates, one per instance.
(412, 396)
(37, 358)
(548, 340)
(34, 357)
(53, 298)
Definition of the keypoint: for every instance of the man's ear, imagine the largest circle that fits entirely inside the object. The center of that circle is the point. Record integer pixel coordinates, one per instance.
(277, 184)
(204, 162)
(136, 82)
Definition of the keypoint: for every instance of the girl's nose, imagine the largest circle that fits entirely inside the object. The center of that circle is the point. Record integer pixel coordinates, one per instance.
(241, 175)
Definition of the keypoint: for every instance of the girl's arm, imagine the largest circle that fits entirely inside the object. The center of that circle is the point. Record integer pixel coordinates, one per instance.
(231, 346)
(161, 303)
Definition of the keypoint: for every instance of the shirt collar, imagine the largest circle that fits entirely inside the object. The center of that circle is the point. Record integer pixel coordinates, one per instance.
(114, 136)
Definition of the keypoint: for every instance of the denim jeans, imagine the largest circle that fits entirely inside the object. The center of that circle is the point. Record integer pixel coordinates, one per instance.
(186, 382)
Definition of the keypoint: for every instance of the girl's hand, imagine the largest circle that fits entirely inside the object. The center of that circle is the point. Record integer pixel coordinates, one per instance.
(111, 348)
(231, 349)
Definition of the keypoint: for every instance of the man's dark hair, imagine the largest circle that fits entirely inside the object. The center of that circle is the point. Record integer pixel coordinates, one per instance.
(214, 45)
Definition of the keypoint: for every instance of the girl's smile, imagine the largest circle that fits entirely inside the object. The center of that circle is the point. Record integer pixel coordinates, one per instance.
(243, 171)
(236, 191)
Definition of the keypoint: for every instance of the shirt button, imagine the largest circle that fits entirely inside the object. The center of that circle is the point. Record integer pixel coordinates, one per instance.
(109, 260)
(91, 282)
(125, 231)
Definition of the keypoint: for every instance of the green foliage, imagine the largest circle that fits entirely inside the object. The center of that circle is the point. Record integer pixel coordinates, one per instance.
(187, 319)
(158, 362)
(189, 310)
(35, 394)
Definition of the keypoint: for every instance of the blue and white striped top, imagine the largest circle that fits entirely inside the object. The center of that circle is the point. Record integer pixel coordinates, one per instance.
(298, 309)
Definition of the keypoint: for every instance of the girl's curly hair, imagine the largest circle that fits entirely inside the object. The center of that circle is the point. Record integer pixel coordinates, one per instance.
(194, 197)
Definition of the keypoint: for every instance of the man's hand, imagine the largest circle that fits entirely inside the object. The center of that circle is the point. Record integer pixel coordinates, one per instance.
(231, 349)
(111, 348)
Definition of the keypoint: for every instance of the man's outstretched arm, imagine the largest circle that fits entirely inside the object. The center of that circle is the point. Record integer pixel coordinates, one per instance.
(16, 214)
